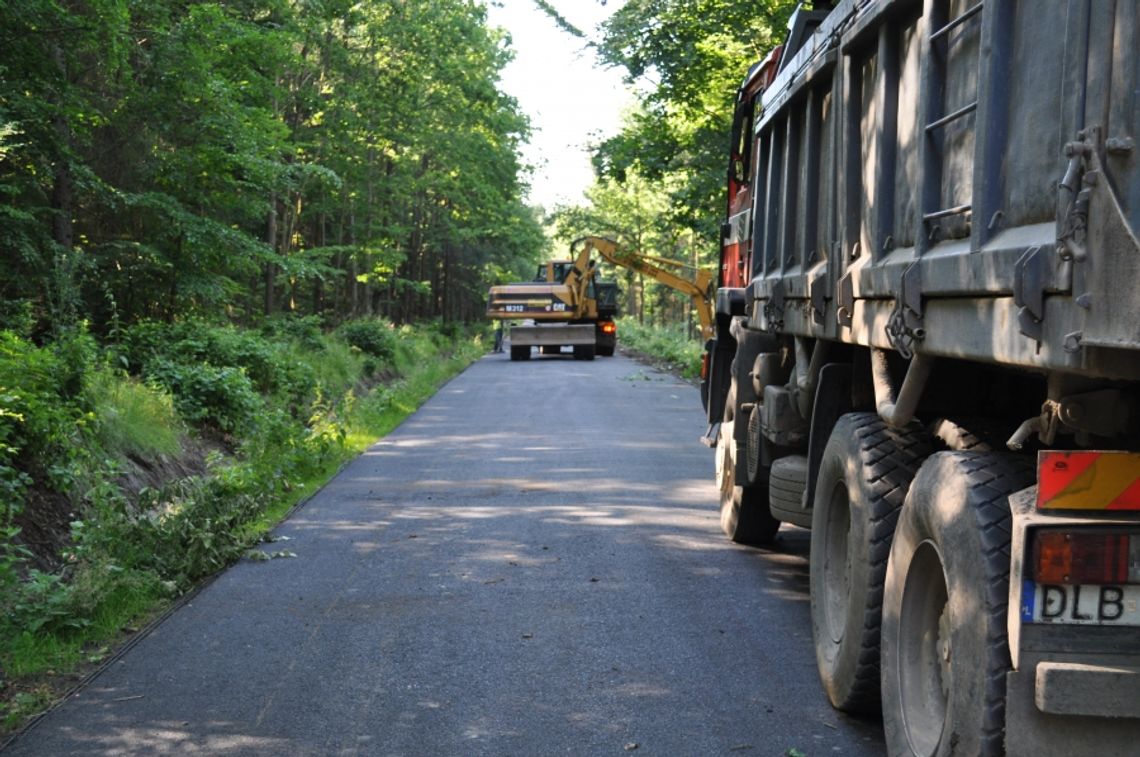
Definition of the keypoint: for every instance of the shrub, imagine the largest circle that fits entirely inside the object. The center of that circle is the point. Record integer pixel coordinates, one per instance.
(223, 398)
(185, 530)
(370, 336)
(39, 426)
(75, 352)
(196, 342)
(304, 331)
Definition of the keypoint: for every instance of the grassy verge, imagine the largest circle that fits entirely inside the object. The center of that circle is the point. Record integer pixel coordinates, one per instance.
(670, 344)
(380, 411)
(131, 471)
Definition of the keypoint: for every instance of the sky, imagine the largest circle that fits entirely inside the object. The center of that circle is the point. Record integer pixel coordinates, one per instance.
(570, 98)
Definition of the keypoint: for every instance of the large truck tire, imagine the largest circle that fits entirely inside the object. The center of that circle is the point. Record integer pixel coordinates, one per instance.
(945, 652)
(744, 514)
(787, 480)
(583, 352)
(520, 353)
(865, 472)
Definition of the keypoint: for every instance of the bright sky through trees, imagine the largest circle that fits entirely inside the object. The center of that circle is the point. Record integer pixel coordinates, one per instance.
(559, 83)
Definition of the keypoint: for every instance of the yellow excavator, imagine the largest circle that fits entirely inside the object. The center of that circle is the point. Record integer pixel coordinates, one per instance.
(567, 304)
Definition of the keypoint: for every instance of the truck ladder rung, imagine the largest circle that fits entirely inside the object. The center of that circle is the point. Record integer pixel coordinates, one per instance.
(973, 11)
(946, 213)
(963, 111)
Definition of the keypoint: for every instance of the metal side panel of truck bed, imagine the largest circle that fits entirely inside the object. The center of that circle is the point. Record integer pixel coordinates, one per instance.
(957, 178)
(940, 203)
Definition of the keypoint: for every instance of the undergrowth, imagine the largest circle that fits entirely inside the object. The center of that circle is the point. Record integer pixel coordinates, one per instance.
(279, 411)
(669, 343)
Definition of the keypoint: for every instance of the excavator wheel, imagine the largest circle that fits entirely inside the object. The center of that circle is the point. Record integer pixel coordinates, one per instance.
(583, 352)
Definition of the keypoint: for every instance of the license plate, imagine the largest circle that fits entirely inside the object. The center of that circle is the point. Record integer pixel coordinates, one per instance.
(1088, 604)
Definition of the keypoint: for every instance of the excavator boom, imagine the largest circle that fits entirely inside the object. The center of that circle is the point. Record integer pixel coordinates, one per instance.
(698, 284)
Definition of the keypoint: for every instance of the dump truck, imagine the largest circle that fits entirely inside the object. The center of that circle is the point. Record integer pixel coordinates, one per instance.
(927, 351)
(566, 304)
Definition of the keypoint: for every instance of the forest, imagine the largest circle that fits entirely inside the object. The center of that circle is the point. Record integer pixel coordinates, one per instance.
(242, 238)
(162, 159)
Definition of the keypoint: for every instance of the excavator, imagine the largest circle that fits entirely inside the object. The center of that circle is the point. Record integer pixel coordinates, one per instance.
(567, 304)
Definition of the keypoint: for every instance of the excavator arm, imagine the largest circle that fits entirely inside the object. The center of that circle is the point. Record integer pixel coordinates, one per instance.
(698, 286)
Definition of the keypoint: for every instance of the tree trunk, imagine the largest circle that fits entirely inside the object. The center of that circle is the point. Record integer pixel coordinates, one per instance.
(62, 195)
(318, 282)
(271, 240)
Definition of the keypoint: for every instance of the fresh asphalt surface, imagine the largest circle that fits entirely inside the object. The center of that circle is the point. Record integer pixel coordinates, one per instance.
(530, 565)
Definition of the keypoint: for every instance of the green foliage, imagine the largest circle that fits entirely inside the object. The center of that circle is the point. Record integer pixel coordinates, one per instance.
(690, 57)
(304, 331)
(40, 426)
(181, 158)
(196, 527)
(42, 602)
(197, 342)
(370, 336)
(669, 344)
(132, 418)
(222, 398)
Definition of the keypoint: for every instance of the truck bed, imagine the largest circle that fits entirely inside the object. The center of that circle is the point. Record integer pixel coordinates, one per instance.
(961, 183)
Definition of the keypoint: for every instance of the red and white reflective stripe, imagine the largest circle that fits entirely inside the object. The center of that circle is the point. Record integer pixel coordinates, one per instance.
(1088, 480)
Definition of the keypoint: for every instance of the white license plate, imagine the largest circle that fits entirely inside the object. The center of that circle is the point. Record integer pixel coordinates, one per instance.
(1116, 605)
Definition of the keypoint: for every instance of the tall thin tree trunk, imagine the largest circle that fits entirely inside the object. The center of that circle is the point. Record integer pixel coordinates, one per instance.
(271, 240)
(318, 282)
(60, 290)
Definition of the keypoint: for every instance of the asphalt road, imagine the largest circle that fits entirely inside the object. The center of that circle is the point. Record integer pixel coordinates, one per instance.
(530, 565)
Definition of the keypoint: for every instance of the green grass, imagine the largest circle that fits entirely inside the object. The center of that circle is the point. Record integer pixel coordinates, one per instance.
(669, 343)
(375, 415)
(133, 418)
(25, 703)
(338, 365)
(39, 664)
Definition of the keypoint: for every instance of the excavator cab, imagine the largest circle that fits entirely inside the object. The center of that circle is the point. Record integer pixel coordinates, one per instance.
(553, 271)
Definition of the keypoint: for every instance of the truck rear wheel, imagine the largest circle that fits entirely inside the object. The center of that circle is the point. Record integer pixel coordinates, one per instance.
(945, 651)
(744, 514)
(866, 469)
(520, 353)
(786, 483)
